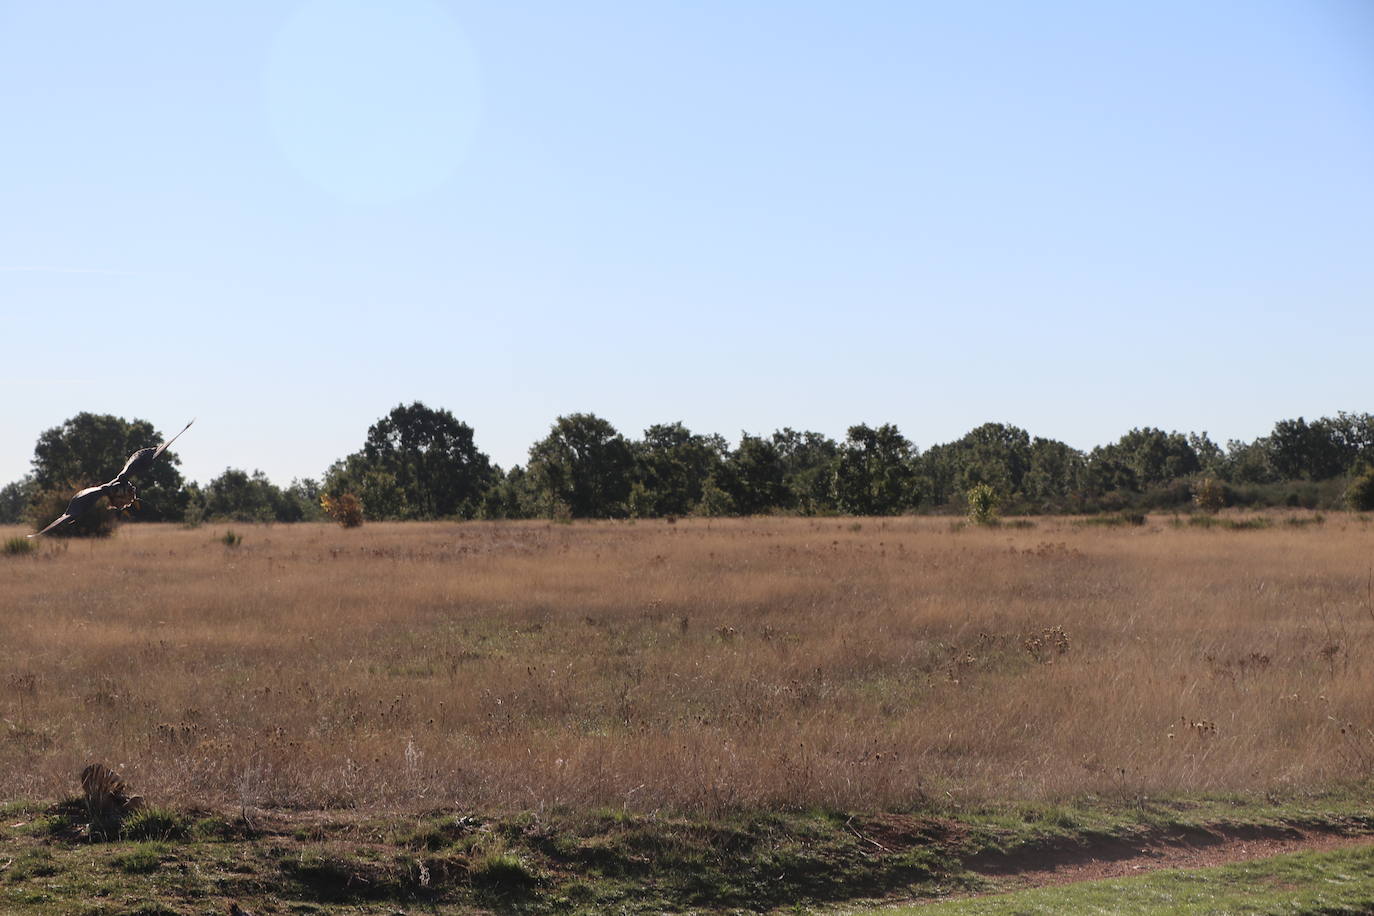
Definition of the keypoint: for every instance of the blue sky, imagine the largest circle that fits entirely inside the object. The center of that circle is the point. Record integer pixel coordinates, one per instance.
(285, 218)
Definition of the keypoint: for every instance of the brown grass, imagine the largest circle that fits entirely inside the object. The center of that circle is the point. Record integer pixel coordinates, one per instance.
(698, 666)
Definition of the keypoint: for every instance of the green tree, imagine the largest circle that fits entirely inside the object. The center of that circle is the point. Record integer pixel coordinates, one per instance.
(238, 496)
(1142, 458)
(416, 463)
(1293, 447)
(1056, 477)
(808, 469)
(671, 467)
(512, 495)
(1248, 462)
(90, 449)
(1319, 450)
(301, 501)
(873, 474)
(381, 495)
(583, 464)
(15, 499)
(1360, 495)
(995, 454)
(752, 477)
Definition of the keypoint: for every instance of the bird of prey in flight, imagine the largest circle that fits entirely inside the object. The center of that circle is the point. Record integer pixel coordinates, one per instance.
(121, 490)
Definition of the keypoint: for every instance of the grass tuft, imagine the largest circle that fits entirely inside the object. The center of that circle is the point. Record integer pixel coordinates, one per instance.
(155, 824)
(18, 547)
(141, 859)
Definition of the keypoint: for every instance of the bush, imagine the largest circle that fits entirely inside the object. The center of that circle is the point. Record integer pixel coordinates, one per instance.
(1209, 495)
(18, 547)
(154, 824)
(346, 509)
(501, 870)
(231, 539)
(982, 504)
(1359, 496)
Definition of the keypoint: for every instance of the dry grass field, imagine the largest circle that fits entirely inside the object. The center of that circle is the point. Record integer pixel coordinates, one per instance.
(692, 667)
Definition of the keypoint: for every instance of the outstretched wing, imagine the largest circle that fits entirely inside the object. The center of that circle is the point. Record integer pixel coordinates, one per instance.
(143, 459)
(138, 462)
(163, 447)
(75, 509)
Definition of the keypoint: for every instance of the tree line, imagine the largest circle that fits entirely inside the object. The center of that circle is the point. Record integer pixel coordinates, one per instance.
(422, 463)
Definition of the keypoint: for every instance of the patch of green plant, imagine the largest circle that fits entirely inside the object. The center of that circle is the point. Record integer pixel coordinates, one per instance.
(1115, 520)
(213, 828)
(32, 863)
(16, 547)
(231, 539)
(1329, 882)
(141, 859)
(982, 504)
(1257, 523)
(501, 870)
(155, 824)
(1299, 521)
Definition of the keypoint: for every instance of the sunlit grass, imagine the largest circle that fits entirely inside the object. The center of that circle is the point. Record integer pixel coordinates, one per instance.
(700, 666)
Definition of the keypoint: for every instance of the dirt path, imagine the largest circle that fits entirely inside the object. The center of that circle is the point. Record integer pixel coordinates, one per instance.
(1184, 849)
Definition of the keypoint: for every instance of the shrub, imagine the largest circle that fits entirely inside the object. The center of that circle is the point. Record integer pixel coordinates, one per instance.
(346, 509)
(17, 547)
(1209, 495)
(500, 870)
(154, 824)
(231, 539)
(1359, 496)
(982, 504)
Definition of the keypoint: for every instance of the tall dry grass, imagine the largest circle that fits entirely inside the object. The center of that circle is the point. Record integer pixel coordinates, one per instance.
(693, 666)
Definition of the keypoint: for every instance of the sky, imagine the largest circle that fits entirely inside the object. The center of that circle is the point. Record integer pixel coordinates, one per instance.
(286, 218)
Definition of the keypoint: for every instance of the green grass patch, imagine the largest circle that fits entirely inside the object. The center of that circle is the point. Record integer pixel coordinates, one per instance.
(155, 824)
(18, 547)
(1327, 882)
(140, 859)
(1118, 520)
(610, 860)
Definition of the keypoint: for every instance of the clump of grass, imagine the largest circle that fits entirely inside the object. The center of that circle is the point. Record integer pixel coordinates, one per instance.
(1247, 524)
(141, 859)
(17, 547)
(231, 539)
(155, 824)
(1296, 521)
(499, 869)
(33, 863)
(1115, 521)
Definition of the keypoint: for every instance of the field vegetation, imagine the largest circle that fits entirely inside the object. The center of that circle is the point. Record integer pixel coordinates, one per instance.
(698, 667)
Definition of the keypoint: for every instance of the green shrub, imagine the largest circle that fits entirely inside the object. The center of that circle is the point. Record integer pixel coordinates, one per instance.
(230, 539)
(1209, 495)
(15, 547)
(155, 824)
(1359, 496)
(500, 870)
(982, 504)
